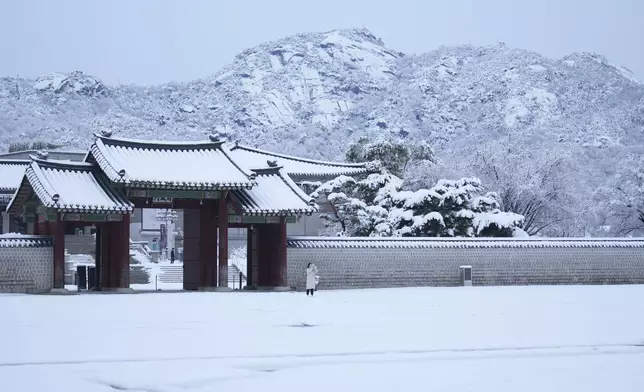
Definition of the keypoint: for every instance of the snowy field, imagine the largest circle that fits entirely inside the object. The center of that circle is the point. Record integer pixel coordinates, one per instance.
(567, 338)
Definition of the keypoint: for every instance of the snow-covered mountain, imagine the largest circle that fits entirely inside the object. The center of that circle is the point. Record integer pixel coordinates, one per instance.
(309, 94)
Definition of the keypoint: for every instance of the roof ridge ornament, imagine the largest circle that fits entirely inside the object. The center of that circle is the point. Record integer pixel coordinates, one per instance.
(42, 154)
(214, 137)
(271, 162)
(107, 133)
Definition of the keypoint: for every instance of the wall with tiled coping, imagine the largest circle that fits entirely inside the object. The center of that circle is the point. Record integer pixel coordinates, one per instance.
(365, 262)
(26, 264)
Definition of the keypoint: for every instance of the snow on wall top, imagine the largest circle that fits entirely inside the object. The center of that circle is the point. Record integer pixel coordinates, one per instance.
(295, 166)
(275, 194)
(16, 240)
(423, 243)
(71, 187)
(170, 165)
(11, 173)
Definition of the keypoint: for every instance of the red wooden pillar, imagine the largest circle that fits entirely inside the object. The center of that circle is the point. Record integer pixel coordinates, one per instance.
(266, 253)
(191, 252)
(281, 259)
(98, 259)
(208, 245)
(103, 235)
(251, 256)
(112, 259)
(41, 225)
(59, 253)
(124, 244)
(115, 254)
(223, 241)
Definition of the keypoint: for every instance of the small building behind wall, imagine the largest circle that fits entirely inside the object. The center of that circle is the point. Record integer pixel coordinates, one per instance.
(307, 173)
(11, 173)
(55, 197)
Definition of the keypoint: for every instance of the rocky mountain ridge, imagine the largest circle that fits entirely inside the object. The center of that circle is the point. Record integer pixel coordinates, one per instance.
(310, 94)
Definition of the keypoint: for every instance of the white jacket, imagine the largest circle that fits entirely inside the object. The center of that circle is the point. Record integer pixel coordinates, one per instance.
(311, 277)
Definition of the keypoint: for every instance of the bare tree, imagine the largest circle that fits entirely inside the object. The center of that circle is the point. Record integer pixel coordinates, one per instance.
(532, 183)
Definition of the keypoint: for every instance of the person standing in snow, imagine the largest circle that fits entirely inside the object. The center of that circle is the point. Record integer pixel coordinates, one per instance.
(172, 256)
(311, 278)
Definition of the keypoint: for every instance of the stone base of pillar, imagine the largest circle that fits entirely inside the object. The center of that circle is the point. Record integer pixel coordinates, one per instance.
(208, 288)
(117, 290)
(279, 289)
(60, 292)
(223, 289)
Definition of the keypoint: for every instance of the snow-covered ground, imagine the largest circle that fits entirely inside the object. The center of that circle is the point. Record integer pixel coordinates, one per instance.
(566, 338)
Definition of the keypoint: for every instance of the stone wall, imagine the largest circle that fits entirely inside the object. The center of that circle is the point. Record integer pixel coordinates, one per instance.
(26, 264)
(368, 262)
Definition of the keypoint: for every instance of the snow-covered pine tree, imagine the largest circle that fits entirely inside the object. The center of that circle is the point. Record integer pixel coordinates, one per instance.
(359, 206)
(394, 155)
(376, 206)
(452, 208)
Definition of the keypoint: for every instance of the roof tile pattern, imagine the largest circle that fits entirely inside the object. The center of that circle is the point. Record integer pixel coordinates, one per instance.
(423, 243)
(74, 187)
(294, 166)
(275, 194)
(11, 173)
(169, 165)
(15, 240)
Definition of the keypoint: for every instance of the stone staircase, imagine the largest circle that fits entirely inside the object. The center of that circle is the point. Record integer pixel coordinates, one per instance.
(233, 276)
(138, 273)
(173, 273)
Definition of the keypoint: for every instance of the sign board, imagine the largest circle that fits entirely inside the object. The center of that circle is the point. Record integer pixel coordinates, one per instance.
(161, 200)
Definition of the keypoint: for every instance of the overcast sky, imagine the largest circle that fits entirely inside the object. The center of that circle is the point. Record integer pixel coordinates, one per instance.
(155, 41)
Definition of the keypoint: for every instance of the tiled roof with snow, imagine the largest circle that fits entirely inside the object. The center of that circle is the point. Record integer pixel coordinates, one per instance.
(423, 243)
(72, 187)
(294, 166)
(11, 173)
(275, 194)
(169, 165)
(16, 240)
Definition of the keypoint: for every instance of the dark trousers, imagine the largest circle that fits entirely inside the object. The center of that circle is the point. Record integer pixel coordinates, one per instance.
(310, 291)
